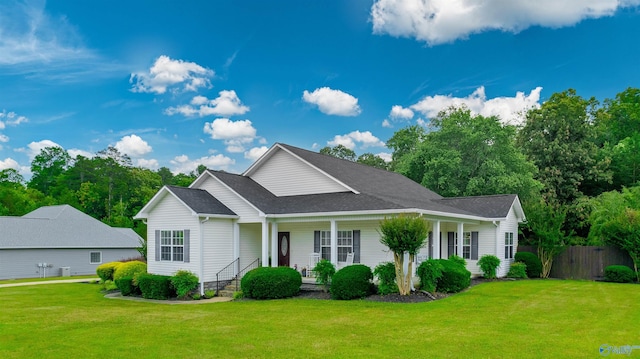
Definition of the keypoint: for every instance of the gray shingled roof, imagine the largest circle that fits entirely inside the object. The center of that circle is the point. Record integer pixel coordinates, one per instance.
(378, 190)
(200, 201)
(62, 227)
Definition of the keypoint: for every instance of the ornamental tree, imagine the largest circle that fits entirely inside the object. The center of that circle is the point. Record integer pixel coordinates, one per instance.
(404, 234)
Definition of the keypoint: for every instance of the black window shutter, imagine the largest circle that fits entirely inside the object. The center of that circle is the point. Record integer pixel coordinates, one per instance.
(157, 245)
(187, 246)
(474, 245)
(316, 241)
(356, 246)
(451, 242)
(430, 244)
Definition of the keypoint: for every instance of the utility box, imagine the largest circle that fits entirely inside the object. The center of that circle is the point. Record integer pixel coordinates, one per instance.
(65, 271)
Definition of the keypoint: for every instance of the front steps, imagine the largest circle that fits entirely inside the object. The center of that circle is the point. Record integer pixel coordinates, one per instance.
(229, 289)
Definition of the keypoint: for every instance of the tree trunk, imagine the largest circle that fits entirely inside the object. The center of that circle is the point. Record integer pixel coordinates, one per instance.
(400, 277)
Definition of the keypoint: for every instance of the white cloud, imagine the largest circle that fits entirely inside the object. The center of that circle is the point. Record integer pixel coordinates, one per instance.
(34, 148)
(9, 163)
(399, 112)
(441, 21)
(29, 36)
(255, 153)
(167, 72)
(385, 156)
(387, 124)
(4, 138)
(182, 164)
(150, 164)
(226, 104)
(235, 134)
(366, 139)
(508, 109)
(74, 152)
(332, 102)
(11, 119)
(133, 145)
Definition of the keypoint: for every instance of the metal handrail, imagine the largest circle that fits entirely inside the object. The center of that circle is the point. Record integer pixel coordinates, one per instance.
(252, 265)
(228, 273)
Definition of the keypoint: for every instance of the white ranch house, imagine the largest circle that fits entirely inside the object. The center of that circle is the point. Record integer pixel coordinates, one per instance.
(291, 204)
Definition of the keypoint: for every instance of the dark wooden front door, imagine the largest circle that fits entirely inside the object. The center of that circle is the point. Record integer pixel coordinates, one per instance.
(284, 244)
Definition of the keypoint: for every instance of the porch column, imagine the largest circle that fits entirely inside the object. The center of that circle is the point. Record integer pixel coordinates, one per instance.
(436, 239)
(265, 243)
(236, 242)
(274, 244)
(334, 243)
(460, 237)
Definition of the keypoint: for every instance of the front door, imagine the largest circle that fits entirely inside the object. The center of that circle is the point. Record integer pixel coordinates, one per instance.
(284, 242)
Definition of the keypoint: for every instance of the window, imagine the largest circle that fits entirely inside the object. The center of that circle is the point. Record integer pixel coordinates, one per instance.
(345, 245)
(508, 245)
(172, 246)
(325, 245)
(466, 245)
(95, 257)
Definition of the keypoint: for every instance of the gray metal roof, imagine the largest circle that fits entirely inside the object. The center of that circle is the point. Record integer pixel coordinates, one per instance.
(63, 227)
(378, 190)
(200, 201)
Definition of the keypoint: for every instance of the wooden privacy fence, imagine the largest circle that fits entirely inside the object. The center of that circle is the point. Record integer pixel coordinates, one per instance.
(584, 262)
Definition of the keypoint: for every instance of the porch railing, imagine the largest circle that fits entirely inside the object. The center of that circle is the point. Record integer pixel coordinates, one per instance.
(253, 265)
(227, 273)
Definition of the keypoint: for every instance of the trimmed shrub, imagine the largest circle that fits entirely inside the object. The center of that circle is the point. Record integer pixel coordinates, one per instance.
(459, 260)
(183, 282)
(155, 286)
(429, 271)
(105, 270)
(517, 270)
(271, 283)
(126, 286)
(534, 266)
(489, 264)
(324, 271)
(455, 277)
(386, 273)
(352, 282)
(129, 269)
(619, 274)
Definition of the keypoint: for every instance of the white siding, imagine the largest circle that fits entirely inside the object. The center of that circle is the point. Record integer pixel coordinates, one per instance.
(23, 263)
(246, 212)
(510, 225)
(218, 247)
(250, 243)
(285, 175)
(170, 214)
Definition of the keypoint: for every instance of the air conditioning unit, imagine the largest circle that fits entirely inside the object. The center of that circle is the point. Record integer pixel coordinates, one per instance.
(65, 271)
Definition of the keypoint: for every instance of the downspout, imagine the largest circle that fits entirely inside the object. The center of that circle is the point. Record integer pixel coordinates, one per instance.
(202, 255)
(497, 248)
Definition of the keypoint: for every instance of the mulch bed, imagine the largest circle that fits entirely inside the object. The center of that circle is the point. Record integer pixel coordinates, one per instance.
(308, 292)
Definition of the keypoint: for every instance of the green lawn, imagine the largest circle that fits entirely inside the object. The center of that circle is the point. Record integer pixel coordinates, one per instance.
(536, 318)
(24, 280)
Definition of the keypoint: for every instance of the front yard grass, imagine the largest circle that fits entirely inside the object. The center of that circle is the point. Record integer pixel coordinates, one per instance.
(47, 279)
(532, 318)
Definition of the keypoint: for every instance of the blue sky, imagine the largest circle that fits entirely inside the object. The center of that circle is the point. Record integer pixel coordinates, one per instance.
(180, 83)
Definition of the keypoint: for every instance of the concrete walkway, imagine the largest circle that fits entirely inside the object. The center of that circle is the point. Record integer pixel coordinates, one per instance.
(139, 299)
(82, 280)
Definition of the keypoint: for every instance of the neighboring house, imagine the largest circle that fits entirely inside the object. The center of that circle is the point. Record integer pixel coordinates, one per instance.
(292, 203)
(60, 240)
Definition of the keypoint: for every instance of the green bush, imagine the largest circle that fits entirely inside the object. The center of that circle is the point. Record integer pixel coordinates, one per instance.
(386, 273)
(459, 260)
(324, 270)
(517, 270)
(534, 266)
(184, 282)
(129, 269)
(271, 283)
(126, 286)
(105, 270)
(619, 274)
(455, 277)
(429, 271)
(489, 264)
(352, 282)
(155, 286)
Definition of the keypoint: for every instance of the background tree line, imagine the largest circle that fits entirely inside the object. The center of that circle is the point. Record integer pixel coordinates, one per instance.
(573, 157)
